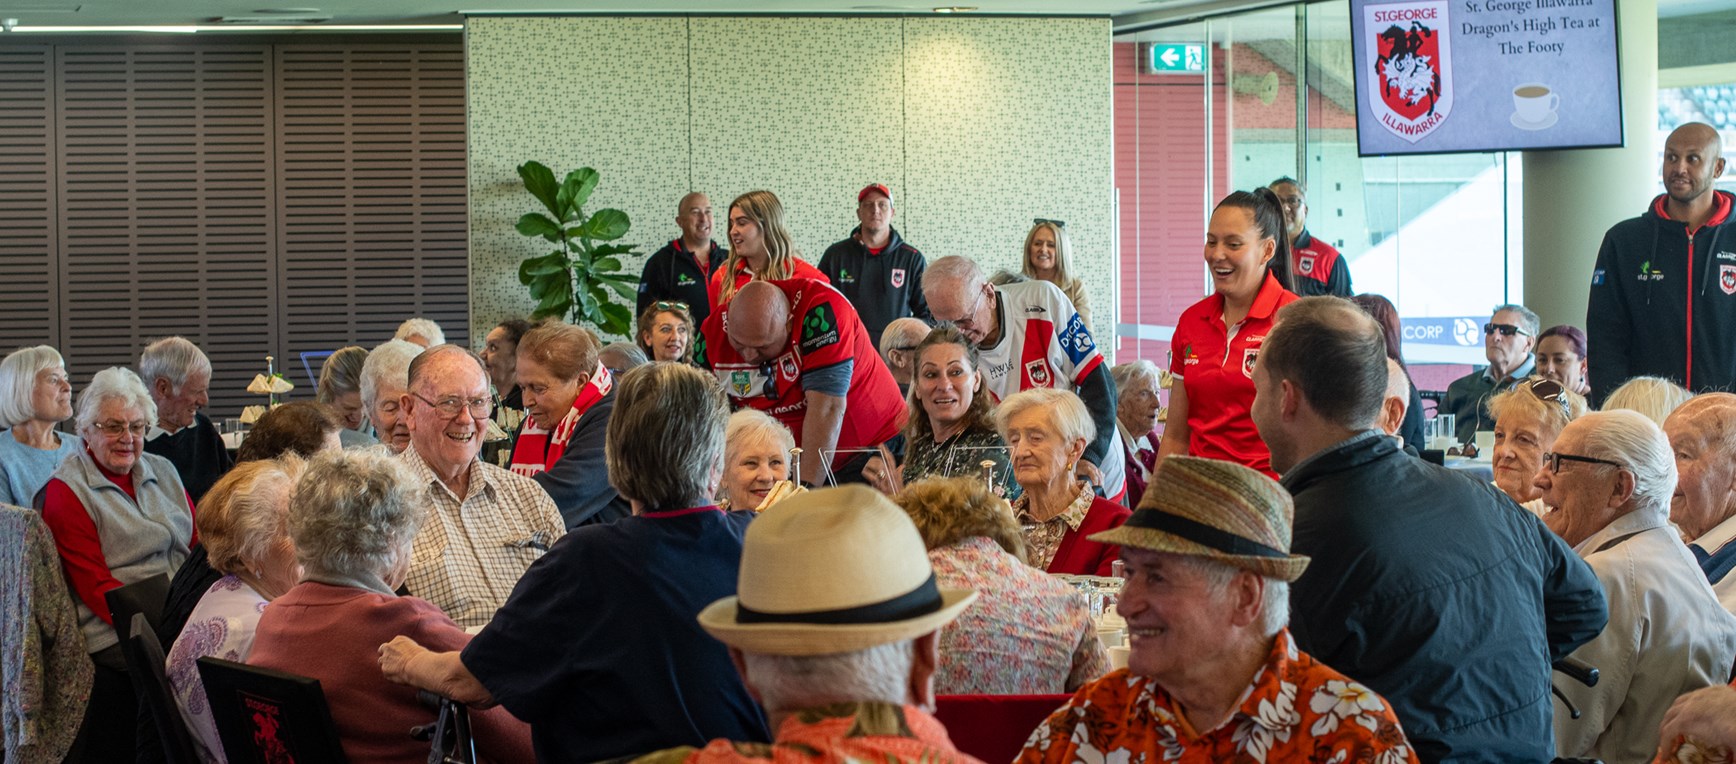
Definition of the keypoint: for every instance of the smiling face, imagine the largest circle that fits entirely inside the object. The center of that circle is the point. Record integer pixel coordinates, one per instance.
(751, 469)
(668, 337)
(547, 398)
(116, 435)
(1175, 616)
(1584, 493)
(1042, 254)
(694, 217)
(1706, 477)
(500, 355)
(745, 235)
(1236, 252)
(387, 414)
(447, 442)
(1556, 360)
(945, 384)
(51, 397)
(349, 408)
(1521, 439)
(176, 407)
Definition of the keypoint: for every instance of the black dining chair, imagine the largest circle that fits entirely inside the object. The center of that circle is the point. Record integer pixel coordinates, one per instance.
(143, 596)
(265, 716)
(144, 656)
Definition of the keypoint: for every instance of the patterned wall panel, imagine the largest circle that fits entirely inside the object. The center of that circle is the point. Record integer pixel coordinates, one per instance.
(609, 93)
(1009, 120)
(809, 108)
(978, 125)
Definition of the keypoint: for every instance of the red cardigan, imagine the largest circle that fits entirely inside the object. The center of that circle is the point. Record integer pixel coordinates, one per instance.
(1078, 554)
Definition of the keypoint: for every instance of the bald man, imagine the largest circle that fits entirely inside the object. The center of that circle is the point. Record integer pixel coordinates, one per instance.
(680, 270)
(796, 350)
(1663, 294)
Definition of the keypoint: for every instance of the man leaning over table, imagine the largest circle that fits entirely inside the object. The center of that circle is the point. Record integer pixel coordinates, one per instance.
(485, 524)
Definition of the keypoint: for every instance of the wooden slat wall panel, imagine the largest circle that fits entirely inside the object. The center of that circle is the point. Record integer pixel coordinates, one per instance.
(167, 223)
(28, 298)
(371, 192)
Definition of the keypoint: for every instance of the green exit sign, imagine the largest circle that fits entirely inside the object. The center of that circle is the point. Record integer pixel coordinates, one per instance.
(1187, 57)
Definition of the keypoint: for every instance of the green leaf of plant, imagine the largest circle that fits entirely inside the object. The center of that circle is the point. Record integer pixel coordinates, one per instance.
(578, 187)
(556, 305)
(618, 319)
(590, 308)
(606, 250)
(607, 225)
(540, 182)
(538, 224)
(603, 265)
(553, 262)
(625, 291)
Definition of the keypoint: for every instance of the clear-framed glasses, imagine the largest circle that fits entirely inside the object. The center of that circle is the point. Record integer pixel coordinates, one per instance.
(115, 429)
(452, 405)
(1553, 461)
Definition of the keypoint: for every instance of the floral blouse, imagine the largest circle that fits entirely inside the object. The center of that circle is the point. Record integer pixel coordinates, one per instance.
(925, 458)
(1296, 710)
(221, 626)
(1027, 634)
(1043, 539)
(880, 733)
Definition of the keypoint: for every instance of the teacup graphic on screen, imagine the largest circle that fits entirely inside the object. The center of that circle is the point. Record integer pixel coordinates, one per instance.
(1534, 106)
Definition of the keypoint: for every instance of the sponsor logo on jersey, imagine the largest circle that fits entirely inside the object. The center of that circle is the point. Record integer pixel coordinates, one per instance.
(1248, 357)
(1726, 255)
(683, 280)
(819, 329)
(897, 278)
(1076, 340)
(1036, 309)
(741, 383)
(1648, 273)
(1038, 371)
(1727, 278)
(844, 276)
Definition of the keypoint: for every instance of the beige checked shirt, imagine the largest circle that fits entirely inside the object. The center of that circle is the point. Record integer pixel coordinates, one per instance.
(471, 552)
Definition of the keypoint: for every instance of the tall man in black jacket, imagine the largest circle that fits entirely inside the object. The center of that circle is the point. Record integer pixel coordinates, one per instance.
(1663, 295)
(1432, 588)
(876, 269)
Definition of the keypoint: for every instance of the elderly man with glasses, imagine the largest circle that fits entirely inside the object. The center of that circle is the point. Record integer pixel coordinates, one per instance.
(1608, 483)
(485, 525)
(1508, 339)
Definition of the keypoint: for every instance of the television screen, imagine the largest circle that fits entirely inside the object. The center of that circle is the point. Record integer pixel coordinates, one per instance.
(1438, 76)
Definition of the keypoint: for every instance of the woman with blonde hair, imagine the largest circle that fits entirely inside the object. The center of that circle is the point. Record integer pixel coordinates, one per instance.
(974, 543)
(666, 331)
(1528, 418)
(759, 248)
(1049, 257)
(35, 397)
(1655, 397)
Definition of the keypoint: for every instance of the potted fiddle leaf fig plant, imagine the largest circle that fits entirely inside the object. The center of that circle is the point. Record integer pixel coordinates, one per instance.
(576, 277)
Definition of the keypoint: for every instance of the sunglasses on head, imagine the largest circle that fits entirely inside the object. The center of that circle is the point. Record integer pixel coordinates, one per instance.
(1550, 391)
(1055, 223)
(1506, 330)
(661, 305)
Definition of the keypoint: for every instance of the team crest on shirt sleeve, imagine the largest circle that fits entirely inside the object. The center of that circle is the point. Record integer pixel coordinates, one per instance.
(1038, 371)
(897, 278)
(1076, 340)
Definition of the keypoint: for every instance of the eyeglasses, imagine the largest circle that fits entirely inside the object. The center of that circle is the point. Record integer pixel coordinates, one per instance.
(452, 406)
(115, 429)
(1050, 221)
(968, 320)
(1506, 330)
(1553, 461)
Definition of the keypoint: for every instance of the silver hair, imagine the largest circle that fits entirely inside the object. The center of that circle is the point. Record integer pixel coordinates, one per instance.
(1655, 397)
(174, 359)
(665, 437)
(1636, 441)
(1274, 599)
(1134, 375)
(961, 273)
(114, 382)
(1067, 414)
(1528, 320)
(792, 682)
(355, 512)
(428, 329)
(747, 424)
(390, 362)
(244, 515)
(18, 381)
(628, 352)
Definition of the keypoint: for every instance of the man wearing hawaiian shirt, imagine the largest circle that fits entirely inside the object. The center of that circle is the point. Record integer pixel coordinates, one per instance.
(1213, 674)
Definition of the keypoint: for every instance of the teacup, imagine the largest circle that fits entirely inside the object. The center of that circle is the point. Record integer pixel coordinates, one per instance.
(1534, 102)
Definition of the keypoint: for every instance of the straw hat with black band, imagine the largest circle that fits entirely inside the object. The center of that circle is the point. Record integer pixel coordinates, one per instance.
(832, 571)
(1214, 509)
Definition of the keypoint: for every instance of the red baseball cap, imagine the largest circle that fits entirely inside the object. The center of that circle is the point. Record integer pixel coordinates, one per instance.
(875, 188)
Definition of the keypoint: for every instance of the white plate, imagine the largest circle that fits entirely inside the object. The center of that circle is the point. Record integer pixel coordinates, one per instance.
(1546, 122)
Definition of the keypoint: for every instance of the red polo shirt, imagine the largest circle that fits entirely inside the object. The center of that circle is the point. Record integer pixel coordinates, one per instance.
(1216, 366)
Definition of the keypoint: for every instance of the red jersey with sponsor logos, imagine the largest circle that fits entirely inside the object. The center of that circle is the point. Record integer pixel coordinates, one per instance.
(825, 333)
(1216, 366)
(1318, 268)
(799, 269)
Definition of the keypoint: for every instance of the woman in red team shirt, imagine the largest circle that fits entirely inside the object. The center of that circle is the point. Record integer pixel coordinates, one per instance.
(1217, 339)
(759, 247)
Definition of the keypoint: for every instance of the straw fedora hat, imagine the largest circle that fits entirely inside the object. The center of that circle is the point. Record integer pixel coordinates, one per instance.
(1216, 509)
(832, 571)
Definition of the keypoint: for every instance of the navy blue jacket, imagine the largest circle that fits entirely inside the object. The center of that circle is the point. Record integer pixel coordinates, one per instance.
(880, 287)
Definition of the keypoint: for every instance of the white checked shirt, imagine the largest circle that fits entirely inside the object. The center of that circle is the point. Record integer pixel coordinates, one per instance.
(471, 552)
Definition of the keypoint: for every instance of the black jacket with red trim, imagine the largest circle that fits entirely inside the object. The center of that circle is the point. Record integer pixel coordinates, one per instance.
(1659, 290)
(881, 287)
(1317, 268)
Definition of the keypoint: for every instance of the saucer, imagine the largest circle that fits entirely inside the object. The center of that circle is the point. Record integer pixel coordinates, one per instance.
(1548, 121)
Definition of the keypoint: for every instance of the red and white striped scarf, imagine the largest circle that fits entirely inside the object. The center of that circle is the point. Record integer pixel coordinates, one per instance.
(536, 449)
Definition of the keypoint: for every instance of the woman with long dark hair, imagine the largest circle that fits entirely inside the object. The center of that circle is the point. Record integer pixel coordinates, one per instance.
(1217, 339)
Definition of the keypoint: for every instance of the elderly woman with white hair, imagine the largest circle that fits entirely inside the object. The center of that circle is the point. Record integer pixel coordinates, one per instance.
(35, 396)
(386, 379)
(340, 387)
(118, 515)
(756, 458)
(1046, 431)
(352, 518)
(420, 331)
(1609, 480)
(1528, 417)
(1655, 397)
(244, 526)
(1138, 406)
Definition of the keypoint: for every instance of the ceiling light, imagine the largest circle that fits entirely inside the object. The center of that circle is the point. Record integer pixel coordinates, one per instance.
(955, 9)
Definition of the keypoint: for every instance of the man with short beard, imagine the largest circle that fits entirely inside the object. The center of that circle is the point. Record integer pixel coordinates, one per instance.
(485, 525)
(1663, 294)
